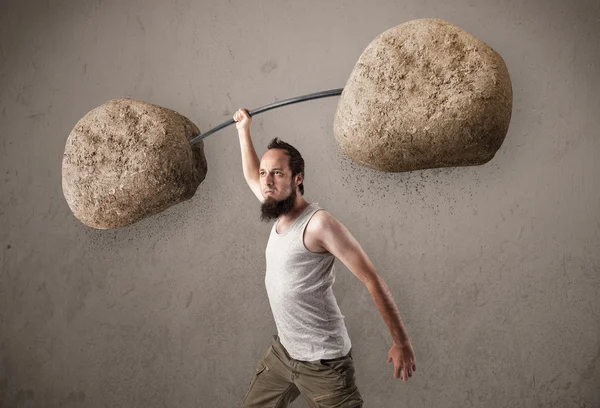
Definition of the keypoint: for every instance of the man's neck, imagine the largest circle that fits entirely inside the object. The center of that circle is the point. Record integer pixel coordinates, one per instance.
(299, 206)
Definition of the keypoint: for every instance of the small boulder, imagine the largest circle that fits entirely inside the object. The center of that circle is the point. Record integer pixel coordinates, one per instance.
(128, 159)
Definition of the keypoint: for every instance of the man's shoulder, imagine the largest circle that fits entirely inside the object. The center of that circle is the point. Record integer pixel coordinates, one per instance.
(321, 221)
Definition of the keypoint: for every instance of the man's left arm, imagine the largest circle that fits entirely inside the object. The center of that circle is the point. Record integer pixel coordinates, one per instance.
(334, 237)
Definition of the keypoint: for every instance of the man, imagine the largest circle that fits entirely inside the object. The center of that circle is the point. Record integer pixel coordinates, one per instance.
(311, 354)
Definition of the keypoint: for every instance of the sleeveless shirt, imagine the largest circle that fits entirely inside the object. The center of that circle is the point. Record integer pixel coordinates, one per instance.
(299, 284)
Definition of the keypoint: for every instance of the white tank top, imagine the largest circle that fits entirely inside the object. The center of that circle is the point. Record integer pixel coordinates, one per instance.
(299, 283)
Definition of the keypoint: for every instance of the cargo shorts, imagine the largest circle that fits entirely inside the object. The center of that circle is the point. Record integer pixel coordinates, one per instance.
(279, 379)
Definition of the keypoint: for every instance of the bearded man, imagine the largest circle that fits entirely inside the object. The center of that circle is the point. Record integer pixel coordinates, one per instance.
(311, 354)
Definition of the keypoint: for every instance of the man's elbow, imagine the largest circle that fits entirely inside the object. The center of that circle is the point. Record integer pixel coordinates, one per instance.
(373, 282)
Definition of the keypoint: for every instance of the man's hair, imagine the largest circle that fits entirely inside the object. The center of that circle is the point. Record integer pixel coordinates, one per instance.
(296, 160)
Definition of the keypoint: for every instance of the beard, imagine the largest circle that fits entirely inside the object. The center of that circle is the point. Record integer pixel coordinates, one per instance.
(271, 208)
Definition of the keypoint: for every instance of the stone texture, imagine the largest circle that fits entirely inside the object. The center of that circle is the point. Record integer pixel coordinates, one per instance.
(128, 159)
(424, 94)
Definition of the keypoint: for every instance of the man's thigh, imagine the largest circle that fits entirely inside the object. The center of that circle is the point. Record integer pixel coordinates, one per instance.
(271, 385)
(328, 384)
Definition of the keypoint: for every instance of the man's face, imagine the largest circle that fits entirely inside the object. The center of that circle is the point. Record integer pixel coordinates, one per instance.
(275, 175)
(276, 184)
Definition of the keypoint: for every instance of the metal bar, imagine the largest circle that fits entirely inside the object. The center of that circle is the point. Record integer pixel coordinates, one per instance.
(316, 95)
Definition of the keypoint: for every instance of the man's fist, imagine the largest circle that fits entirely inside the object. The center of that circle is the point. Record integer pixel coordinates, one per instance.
(242, 120)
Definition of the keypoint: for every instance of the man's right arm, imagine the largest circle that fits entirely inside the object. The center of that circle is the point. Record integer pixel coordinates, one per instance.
(250, 161)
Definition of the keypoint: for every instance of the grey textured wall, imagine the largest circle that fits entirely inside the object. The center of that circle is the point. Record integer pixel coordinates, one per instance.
(495, 268)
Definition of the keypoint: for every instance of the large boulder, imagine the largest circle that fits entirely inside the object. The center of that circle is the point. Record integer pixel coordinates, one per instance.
(424, 94)
(128, 159)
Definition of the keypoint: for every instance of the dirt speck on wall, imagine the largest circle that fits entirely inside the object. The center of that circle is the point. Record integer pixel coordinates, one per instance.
(424, 94)
(127, 159)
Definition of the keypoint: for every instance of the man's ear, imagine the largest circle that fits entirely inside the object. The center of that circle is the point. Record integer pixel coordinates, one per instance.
(299, 179)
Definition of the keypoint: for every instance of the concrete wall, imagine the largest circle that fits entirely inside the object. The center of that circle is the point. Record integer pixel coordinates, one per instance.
(495, 268)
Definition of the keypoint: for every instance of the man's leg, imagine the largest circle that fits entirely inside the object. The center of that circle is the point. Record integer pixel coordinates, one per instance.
(329, 383)
(271, 386)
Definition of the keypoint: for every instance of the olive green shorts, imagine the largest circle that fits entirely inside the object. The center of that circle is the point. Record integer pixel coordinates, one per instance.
(280, 379)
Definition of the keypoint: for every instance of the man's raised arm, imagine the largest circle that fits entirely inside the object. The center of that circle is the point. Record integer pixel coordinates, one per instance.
(250, 161)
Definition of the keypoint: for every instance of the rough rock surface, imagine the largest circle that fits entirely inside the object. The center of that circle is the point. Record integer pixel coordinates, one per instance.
(128, 159)
(424, 94)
